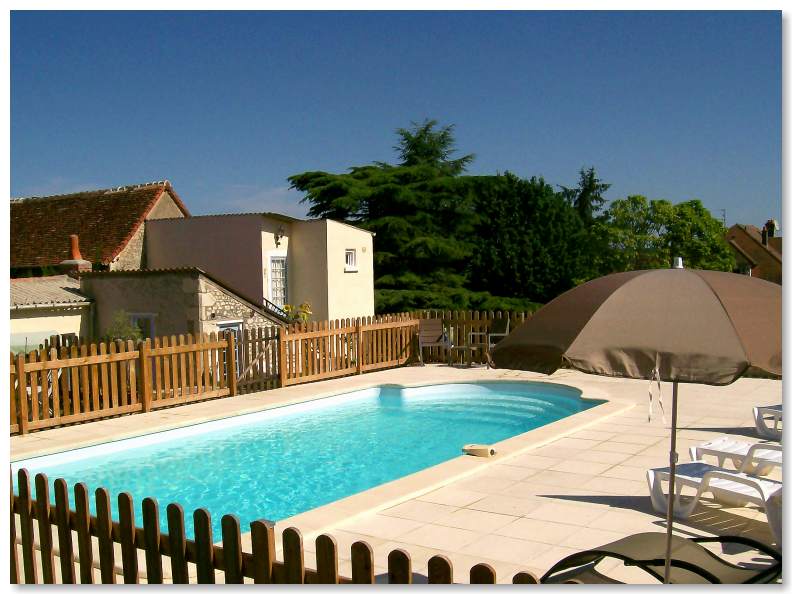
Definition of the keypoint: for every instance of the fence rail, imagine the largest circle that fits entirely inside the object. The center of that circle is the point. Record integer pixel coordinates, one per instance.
(324, 350)
(44, 536)
(76, 384)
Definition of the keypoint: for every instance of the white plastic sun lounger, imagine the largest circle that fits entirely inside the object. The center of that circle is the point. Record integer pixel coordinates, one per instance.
(763, 414)
(729, 487)
(750, 458)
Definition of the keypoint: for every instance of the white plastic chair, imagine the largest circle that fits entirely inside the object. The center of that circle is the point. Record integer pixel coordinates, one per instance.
(729, 487)
(763, 414)
(750, 458)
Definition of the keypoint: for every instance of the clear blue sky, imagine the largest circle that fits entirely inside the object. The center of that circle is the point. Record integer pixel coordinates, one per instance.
(228, 105)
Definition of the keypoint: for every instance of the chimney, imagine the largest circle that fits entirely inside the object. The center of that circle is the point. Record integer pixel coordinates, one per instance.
(771, 227)
(74, 266)
(764, 235)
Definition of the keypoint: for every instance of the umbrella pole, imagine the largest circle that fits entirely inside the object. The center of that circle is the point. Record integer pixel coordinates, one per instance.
(672, 471)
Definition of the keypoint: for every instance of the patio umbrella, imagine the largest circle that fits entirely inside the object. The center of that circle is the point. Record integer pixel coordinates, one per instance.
(678, 325)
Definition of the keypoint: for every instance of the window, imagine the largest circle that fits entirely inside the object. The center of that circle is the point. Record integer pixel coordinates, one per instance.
(278, 280)
(145, 322)
(350, 261)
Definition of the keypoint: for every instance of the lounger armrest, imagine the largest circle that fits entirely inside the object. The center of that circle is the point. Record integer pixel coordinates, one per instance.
(759, 546)
(735, 478)
(752, 458)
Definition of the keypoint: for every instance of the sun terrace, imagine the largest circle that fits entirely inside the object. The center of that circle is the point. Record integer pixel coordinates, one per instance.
(566, 486)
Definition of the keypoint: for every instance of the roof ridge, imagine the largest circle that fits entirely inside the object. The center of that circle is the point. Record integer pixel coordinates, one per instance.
(114, 189)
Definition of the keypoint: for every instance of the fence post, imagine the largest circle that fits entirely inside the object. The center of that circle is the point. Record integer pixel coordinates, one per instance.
(231, 364)
(282, 355)
(22, 394)
(145, 375)
(359, 330)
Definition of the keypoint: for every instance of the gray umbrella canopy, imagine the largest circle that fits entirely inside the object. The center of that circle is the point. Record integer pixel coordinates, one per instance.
(693, 326)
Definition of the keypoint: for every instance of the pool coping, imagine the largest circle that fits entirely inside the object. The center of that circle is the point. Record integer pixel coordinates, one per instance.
(388, 494)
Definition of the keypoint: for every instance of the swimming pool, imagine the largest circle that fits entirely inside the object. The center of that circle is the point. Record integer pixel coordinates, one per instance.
(280, 462)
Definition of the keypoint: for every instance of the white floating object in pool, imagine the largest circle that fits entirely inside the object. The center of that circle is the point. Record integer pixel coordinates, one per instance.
(477, 449)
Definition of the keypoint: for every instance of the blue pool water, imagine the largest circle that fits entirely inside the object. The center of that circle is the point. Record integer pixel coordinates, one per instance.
(278, 463)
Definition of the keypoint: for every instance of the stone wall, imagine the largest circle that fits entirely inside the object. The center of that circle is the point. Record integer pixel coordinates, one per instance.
(170, 297)
(133, 256)
(218, 305)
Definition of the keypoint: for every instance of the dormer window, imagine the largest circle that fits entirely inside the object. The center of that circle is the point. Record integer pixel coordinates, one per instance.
(350, 261)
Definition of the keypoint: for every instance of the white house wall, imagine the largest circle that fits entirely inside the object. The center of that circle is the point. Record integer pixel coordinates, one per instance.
(227, 247)
(32, 326)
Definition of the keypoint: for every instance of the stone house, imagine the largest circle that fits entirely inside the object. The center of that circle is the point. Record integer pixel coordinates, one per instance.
(758, 251)
(172, 302)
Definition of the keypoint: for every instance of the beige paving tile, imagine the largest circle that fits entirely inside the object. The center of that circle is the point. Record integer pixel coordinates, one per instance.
(577, 515)
(507, 472)
(513, 506)
(639, 438)
(440, 537)
(587, 538)
(580, 467)
(627, 522)
(561, 479)
(505, 548)
(473, 519)
(576, 444)
(419, 510)
(537, 530)
(532, 461)
(610, 458)
(484, 484)
(616, 486)
(385, 527)
(630, 473)
(596, 435)
(529, 488)
(557, 452)
(452, 495)
(544, 561)
(619, 447)
(647, 462)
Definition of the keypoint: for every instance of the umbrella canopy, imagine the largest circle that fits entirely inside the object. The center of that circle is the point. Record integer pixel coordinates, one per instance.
(693, 326)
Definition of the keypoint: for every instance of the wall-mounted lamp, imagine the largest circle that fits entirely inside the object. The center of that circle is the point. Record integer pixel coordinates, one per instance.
(279, 235)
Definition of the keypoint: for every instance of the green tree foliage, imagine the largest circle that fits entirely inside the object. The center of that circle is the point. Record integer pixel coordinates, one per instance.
(121, 328)
(425, 145)
(587, 198)
(424, 217)
(449, 241)
(698, 237)
(645, 234)
(532, 241)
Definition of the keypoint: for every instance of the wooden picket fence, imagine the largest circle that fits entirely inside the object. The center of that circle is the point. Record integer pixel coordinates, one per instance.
(260, 369)
(74, 382)
(324, 350)
(45, 534)
(77, 384)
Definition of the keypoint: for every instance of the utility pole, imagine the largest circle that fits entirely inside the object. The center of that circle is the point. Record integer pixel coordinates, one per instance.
(723, 216)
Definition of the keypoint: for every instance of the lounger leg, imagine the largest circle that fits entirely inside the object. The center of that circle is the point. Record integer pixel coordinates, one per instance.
(660, 499)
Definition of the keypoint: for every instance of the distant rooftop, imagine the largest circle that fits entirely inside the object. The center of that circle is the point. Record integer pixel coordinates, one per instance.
(105, 220)
(56, 291)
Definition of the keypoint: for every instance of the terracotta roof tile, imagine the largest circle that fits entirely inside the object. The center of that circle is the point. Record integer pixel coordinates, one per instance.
(105, 221)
